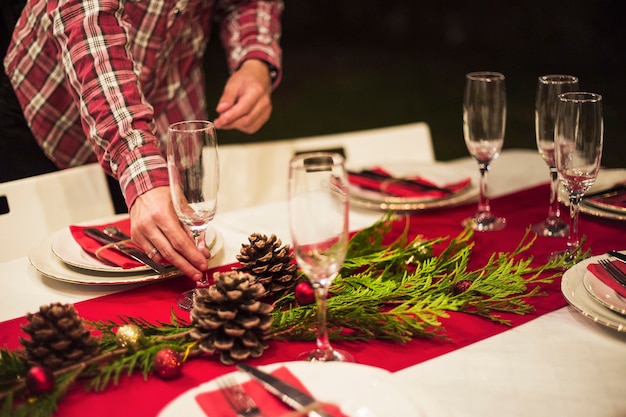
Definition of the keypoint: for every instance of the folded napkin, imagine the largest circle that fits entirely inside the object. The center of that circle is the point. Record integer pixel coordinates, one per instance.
(214, 404)
(602, 275)
(379, 179)
(616, 199)
(96, 248)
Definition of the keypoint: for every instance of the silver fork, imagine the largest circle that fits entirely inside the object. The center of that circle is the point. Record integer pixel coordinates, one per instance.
(613, 271)
(237, 397)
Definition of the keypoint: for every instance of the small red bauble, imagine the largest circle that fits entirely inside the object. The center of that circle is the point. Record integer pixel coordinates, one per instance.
(39, 380)
(304, 293)
(167, 363)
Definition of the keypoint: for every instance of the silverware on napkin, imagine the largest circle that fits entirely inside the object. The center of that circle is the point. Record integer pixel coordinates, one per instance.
(126, 250)
(617, 255)
(237, 397)
(287, 393)
(417, 185)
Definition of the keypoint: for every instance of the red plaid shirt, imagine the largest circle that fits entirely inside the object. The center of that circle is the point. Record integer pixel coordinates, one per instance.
(118, 72)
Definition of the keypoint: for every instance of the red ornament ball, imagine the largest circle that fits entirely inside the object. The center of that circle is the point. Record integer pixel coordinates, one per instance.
(39, 380)
(168, 363)
(304, 293)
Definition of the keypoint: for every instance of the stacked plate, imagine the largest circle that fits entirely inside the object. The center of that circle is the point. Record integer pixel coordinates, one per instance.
(61, 258)
(607, 198)
(592, 297)
(438, 174)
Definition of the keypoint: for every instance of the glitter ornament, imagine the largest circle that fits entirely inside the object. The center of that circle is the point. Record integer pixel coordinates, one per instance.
(129, 336)
(461, 287)
(167, 364)
(39, 380)
(304, 293)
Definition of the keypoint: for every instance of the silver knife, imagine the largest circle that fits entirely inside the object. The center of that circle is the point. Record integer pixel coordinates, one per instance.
(618, 255)
(131, 252)
(287, 393)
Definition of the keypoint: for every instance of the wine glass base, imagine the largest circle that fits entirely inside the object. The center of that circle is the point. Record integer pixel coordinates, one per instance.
(332, 355)
(551, 228)
(185, 301)
(485, 224)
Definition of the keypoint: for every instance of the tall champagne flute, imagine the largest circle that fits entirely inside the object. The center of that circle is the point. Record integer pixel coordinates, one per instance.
(484, 119)
(193, 169)
(318, 220)
(548, 90)
(578, 137)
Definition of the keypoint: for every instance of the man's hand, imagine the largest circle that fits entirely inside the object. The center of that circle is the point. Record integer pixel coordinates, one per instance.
(154, 224)
(246, 101)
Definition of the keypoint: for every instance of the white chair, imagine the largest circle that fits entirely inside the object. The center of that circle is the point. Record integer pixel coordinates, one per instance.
(40, 205)
(256, 173)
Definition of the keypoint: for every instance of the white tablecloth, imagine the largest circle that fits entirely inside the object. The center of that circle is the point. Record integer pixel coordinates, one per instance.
(560, 364)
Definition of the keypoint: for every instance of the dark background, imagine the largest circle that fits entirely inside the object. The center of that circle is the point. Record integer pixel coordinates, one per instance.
(358, 64)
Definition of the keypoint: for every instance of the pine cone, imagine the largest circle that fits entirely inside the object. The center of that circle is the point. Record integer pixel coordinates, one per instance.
(272, 264)
(58, 337)
(228, 317)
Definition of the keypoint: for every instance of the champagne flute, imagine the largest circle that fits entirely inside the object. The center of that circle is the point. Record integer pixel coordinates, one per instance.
(484, 118)
(193, 169)
(578, 136)
(318, 220)
(548, 90)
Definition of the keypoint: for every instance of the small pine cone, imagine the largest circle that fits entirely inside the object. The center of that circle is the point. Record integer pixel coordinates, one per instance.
(272, 264)
(58, 337)
(229, 318)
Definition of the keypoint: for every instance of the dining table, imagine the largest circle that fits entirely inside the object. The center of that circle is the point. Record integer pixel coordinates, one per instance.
(553, 361)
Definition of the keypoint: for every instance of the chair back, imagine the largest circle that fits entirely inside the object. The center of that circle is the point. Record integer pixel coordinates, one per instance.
(32, 208)
(256, 173)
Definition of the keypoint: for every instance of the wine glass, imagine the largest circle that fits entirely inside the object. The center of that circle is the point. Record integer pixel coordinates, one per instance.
(484, 118)
(578, 136)
(548, 90)
(318, 220)
(193, 169)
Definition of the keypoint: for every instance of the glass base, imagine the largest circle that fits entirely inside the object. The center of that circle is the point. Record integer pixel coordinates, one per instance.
(332, 355)
(551, 228)
(185, 301)
(482, 223)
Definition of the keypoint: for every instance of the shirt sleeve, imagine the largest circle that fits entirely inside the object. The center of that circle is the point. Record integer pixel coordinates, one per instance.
(252, 30)
(115, 114)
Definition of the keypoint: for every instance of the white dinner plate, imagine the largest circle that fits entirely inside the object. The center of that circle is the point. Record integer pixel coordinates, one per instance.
(439, 172)
(65, 247)
(577, 296)
(604, 294)
(592, 210)
(360, 391)
(48, 264)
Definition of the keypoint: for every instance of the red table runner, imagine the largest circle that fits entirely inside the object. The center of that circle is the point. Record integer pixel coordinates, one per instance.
(134, 396)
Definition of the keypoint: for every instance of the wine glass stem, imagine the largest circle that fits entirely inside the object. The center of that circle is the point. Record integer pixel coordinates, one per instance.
(483, 201)
(321, 295)
(574, 207)
(554, 210)
(197, 236)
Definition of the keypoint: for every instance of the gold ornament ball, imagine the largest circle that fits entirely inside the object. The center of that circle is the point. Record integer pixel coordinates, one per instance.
(129, 336)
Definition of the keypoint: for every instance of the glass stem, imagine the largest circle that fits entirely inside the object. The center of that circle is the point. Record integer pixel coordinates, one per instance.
(554, 211)
(483, 201)
(197, 235)
(321, 294)
(574, 207)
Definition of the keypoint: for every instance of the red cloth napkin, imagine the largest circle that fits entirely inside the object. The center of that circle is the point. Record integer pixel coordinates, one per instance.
(111, 256)
(618, 200)
(405, 187)
(604, 276)
(214, 404)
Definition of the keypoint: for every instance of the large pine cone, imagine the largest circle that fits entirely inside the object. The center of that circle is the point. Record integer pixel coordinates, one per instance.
(272, 264)
(58, 337)
(228, 317)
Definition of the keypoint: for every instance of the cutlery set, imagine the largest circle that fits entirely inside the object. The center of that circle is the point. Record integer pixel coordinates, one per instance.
(115, 239)
(244, 405)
